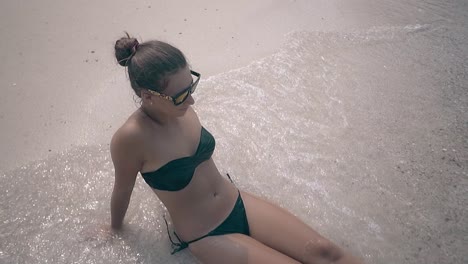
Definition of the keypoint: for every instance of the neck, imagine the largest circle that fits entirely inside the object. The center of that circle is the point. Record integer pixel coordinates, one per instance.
(158, 118)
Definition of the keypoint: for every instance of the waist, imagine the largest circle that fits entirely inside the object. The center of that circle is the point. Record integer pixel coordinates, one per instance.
(197, 214)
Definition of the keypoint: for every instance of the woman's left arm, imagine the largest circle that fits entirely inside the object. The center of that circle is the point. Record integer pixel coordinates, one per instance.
(125, 153)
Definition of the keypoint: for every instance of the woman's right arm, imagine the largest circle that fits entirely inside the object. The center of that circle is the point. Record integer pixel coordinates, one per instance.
(126, 156)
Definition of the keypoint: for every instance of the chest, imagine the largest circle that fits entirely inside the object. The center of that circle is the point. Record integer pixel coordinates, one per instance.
(163, 148)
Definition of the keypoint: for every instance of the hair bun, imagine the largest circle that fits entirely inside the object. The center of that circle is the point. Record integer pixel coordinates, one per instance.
(125, 48)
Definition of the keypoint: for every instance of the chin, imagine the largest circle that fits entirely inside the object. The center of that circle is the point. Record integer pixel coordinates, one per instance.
(182, 111)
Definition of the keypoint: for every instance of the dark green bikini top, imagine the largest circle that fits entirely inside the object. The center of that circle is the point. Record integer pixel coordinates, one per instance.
(177, 174)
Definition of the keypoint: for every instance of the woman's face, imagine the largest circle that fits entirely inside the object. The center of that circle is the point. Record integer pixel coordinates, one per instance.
(177, 82)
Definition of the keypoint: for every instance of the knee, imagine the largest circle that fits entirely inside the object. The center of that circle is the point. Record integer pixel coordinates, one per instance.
(321, 251)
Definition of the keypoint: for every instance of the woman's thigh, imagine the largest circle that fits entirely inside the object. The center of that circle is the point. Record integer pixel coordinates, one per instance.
(236, 249)
(277, 228)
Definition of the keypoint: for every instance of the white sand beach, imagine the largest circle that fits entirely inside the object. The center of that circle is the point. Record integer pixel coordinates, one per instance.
(350, 113)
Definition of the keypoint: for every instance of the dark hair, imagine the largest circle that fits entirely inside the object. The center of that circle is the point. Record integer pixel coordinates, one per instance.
(149, 63)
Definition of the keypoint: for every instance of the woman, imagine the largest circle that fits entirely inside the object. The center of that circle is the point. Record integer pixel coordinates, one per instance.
(165, 142)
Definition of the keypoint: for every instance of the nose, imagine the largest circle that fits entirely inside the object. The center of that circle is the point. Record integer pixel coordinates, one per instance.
(190, 100)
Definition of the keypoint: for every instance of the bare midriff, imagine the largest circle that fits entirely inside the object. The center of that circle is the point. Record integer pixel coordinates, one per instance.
(203, 204)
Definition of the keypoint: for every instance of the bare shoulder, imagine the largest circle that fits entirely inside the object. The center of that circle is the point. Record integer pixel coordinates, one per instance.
(126, 156)
(126, 143)
(127, 133)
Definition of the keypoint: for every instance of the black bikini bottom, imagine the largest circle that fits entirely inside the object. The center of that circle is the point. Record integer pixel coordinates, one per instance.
(236, 222)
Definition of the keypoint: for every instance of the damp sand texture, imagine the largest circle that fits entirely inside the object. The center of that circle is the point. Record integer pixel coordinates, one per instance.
(359, 129)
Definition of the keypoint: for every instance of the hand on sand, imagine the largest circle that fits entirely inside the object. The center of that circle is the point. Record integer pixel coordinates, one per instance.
(100, 233)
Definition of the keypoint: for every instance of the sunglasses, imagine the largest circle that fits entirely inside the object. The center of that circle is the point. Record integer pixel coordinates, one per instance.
(182, 96)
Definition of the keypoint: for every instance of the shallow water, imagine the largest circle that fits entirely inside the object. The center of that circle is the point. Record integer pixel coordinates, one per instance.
(362, 134)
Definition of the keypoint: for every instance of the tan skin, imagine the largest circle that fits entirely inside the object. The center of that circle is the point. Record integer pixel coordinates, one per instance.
(159, 132)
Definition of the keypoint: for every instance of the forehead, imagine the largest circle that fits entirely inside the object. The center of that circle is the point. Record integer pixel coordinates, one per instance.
(178, 81)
